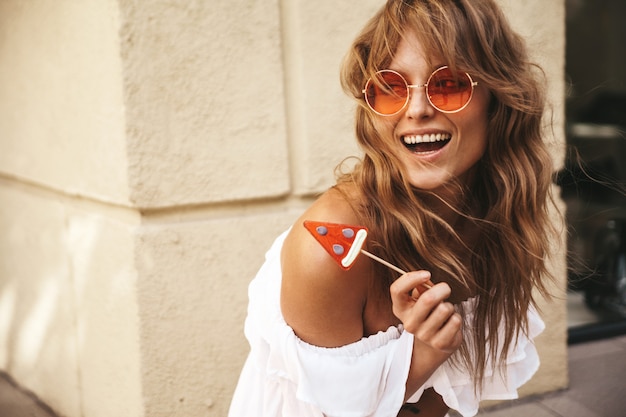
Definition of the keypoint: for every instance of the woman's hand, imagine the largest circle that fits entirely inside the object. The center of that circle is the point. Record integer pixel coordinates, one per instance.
(434, 323)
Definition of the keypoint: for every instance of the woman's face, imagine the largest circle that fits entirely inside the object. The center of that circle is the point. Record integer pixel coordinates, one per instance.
(461, 138)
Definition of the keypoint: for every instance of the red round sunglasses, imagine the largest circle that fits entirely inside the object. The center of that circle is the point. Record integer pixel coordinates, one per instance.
(388, 92)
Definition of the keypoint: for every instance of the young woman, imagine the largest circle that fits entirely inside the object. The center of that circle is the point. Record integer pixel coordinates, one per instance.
(454, 186)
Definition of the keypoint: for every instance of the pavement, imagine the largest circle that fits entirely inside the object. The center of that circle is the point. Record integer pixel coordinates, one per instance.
(597, 371)
(17, 402)
(597, 386)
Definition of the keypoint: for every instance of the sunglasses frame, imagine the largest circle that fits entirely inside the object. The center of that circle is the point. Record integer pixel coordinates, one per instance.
(410, 86)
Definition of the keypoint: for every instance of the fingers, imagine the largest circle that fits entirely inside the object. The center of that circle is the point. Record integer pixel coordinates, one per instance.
(413, 284)
(409, 281)
(442, 330)
(426, 314)
(414, 311)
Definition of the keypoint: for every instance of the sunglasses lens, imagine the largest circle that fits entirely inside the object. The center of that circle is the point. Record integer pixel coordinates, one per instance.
(449, 91)
(387, 94)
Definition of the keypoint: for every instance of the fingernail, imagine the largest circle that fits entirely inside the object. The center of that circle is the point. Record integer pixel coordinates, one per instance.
(424, 274)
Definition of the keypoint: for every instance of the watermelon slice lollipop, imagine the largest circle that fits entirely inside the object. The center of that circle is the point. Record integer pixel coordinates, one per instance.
(343, 242)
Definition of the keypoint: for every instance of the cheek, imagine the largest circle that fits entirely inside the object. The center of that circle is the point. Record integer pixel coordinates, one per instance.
(478, 137)
(379, 137)
(386, 128)
(476, 121)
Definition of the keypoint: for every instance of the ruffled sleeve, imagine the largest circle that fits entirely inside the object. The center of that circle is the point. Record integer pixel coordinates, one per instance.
(362, 379)
(456, 387)
(366, 378)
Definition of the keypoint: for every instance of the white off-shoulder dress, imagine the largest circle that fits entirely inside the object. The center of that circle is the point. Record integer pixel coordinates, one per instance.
(284, 376)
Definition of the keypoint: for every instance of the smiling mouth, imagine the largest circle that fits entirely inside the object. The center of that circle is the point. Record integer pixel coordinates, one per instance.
(426, 143)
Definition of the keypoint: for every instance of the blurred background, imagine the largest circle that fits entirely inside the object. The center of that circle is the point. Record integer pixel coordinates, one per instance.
(593, 181)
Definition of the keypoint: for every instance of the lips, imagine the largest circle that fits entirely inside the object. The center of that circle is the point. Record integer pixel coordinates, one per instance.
(426, 143)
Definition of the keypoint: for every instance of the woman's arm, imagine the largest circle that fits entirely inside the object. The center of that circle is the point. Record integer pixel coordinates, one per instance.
(430, 405)
(434, 323)
(322, 303)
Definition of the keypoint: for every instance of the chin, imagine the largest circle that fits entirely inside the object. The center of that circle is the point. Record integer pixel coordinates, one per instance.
(428, 182)
(427, 186)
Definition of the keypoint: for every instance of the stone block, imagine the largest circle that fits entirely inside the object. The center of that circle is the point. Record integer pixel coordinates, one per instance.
(61, 103)
(317, 36)
(193, 298)
(203, 85)
(69, 327)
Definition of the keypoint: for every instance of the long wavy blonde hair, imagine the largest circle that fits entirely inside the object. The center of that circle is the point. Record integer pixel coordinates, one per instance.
(506, 206)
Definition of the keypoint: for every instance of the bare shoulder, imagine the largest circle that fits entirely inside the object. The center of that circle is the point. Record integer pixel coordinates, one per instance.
(319, 300)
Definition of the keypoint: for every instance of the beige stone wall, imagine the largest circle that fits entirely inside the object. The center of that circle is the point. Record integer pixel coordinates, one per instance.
(150, 151)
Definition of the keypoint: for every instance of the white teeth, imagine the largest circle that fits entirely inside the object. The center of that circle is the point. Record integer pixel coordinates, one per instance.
(434, 137)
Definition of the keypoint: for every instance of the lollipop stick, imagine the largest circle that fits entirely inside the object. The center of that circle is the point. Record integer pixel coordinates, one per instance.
(382, 261)
(387, 264)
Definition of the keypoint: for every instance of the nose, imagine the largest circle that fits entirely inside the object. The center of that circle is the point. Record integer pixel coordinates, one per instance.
(418, 106)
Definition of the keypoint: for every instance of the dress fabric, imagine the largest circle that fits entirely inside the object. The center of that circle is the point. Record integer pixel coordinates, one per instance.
(285, 376)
